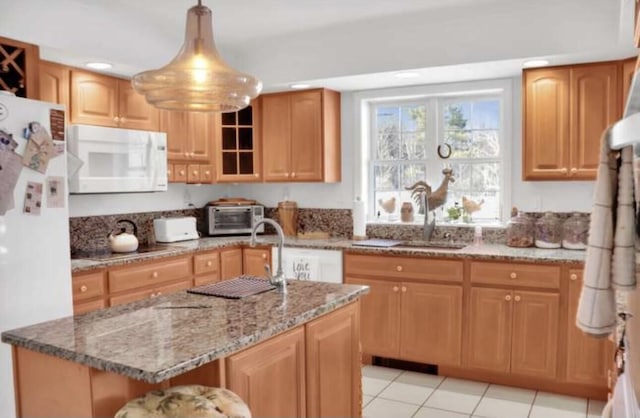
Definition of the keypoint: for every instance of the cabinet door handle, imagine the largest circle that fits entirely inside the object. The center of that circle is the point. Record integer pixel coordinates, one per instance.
(182, 172)
(395, 288)
(404, 289)
(209, 263)
(192, 155)
(293, 174)
(565, 170)
(83, 288)
(573, 276)
(152, 295)
(159, 294)
(574, 170)
(116, 119)
(516, 298)
(195, 173)
(154, 274)
(256, 175)
(123, 120)
(264, 256)
(286, 174)
(206, 173)
(186, 154)
(507, 298)
(513, 275)
(399, 268)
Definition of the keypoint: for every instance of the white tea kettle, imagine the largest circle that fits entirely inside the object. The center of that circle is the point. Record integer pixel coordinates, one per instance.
(123, 242)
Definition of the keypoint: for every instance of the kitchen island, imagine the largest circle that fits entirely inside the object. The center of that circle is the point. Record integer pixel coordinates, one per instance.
(285, 355)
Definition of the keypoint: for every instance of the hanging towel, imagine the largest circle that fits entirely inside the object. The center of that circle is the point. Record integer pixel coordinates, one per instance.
(610, 258)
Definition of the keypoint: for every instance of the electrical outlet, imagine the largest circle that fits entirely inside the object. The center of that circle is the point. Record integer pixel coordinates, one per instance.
(186, 197)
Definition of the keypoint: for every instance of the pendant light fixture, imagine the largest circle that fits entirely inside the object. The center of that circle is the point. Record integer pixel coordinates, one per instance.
(197, 78)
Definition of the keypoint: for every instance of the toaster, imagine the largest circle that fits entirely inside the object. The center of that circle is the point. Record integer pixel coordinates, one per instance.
(175, 229)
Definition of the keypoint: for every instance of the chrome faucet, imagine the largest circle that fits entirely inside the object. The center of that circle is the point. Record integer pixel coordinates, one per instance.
(279, 279)
(429, 218)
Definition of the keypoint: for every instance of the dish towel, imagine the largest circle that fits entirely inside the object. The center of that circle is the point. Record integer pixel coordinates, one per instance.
(610, 258)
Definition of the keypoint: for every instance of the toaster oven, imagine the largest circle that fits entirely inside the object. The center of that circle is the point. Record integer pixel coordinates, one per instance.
(233, 220)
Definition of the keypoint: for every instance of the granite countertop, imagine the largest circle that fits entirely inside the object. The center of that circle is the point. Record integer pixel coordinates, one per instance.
(481, 252)
(143, 341)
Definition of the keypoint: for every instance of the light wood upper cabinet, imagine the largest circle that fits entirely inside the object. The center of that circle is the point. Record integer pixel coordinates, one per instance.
(176, 126)
(238, 145)
(134, 111)
(546, 123)
(588, 358)
(54, 83)
(566, 110)
(594, 106)
(98, 99)
(301, 136)
(628, 70)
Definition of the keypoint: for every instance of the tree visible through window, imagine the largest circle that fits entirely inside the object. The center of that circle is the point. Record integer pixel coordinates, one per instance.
(406, 136)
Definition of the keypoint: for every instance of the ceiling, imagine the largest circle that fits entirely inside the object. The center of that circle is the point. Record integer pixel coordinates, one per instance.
(342, 44)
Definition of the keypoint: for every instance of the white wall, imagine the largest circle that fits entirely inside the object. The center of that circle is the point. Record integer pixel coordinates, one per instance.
(529, 196)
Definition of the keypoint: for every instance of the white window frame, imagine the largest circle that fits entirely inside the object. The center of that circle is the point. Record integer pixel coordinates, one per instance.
(365, 124)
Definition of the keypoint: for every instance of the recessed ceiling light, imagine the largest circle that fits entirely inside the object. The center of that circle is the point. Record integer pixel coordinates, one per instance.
(99, 65)
(299, 86)
(407, 74)
(535, 63)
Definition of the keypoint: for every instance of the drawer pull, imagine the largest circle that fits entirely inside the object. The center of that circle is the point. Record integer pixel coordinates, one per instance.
(195, 173)
(83, 288)
(399, 268)
(154, 274)
(573, 276)
(264, 256)
(574, 170)
(404, 289)
(516, 298)
(513, 275)
(507, 298)
(209, 263)
(395, 288)
(182, 172)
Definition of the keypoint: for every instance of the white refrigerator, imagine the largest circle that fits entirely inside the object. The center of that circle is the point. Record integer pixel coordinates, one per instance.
(35, 265)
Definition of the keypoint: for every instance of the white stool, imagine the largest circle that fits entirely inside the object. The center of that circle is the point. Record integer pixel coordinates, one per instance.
(186, 401)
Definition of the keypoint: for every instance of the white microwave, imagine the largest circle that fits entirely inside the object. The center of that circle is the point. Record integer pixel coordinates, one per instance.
(117, 160)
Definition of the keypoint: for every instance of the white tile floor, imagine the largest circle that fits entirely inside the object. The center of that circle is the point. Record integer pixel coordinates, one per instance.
(402, 394)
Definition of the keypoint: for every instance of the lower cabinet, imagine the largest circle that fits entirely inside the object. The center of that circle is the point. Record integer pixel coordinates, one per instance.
(513, 331)
(254, 259)
(230, 263)
(588, 358)
(410, 319)
(270, 377)
(312, 371)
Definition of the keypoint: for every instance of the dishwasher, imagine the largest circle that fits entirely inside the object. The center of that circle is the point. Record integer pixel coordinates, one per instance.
(309, 264)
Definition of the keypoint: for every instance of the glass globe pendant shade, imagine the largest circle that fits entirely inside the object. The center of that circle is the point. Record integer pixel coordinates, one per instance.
(197, 79)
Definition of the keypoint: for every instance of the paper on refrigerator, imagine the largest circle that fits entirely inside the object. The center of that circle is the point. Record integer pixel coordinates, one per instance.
(10, 166)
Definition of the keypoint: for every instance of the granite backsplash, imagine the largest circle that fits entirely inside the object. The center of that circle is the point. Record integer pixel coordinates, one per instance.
(89, 234)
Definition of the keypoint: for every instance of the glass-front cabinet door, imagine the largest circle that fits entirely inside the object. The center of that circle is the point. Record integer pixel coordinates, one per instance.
(239, 145)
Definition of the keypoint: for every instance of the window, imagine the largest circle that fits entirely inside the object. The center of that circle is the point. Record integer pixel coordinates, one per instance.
(404, 150)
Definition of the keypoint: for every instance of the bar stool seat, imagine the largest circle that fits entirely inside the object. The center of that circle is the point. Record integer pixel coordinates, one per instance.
(186, 401)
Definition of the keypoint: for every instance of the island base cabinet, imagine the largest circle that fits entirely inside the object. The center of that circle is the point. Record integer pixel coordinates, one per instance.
(333, 365)
(48, 386)
(270, 377)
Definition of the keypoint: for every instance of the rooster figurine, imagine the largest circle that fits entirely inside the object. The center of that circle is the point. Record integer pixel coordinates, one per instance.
(471, 206)
(388, 205)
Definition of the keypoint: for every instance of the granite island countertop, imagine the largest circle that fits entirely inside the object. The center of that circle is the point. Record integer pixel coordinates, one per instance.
(149, 341)
(481, 252)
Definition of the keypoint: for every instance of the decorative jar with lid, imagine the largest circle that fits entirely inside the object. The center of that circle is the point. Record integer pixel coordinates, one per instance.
(548, 231)
(520, 231)
(574, 232)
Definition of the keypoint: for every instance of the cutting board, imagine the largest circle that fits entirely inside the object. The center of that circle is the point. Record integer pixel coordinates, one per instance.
(232, 201)
(383, 243)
